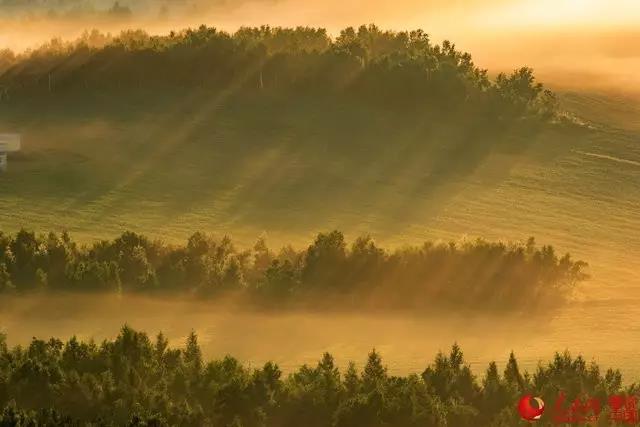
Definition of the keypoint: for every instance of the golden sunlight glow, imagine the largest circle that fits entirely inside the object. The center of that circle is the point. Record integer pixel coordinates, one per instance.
(555, 13)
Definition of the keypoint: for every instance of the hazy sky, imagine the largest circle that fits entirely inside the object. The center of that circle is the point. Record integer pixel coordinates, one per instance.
(489, 15)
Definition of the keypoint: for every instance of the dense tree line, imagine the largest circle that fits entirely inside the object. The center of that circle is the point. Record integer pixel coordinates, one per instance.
(467, 274)
(137, 381)
(397, 70)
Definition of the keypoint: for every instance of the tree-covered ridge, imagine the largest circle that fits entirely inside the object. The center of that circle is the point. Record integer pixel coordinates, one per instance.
(397, 70)
(134, 380)
(472, 274)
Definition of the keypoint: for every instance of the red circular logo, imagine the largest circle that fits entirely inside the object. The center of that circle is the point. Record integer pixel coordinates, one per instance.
(530, 408)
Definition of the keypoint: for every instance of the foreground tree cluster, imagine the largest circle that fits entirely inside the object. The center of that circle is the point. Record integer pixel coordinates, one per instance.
(397, 70)
(133, 380)
(475, 274)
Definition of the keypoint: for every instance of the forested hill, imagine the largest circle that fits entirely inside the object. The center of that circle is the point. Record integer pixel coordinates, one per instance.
(395, 70)
(284, 131)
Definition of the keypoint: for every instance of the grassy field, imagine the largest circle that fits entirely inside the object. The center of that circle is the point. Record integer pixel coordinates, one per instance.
(242, 172)
(170, 173)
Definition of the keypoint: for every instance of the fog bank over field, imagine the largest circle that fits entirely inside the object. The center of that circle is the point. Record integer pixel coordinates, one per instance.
(292, 338)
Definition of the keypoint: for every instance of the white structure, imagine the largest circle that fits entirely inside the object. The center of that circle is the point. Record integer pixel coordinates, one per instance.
(9, 143)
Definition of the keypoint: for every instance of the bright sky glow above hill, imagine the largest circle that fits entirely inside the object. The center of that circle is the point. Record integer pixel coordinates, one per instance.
(563, 13)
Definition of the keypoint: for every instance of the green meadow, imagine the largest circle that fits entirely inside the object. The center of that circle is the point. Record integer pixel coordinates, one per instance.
(167, 162)
(245, 170)
(289, 176)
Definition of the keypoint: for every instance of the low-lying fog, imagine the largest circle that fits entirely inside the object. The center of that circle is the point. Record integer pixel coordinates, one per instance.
(408, 342)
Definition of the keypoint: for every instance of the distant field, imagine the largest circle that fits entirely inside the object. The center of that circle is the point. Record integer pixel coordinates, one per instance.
(615, 109)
